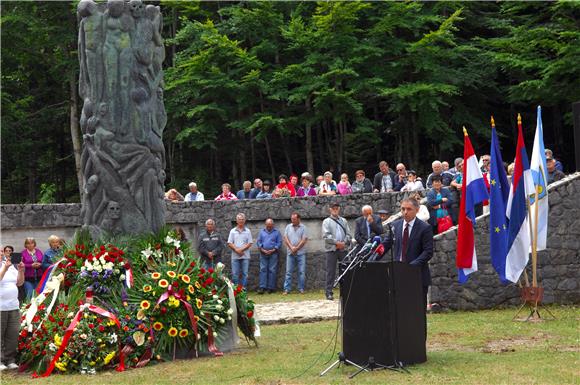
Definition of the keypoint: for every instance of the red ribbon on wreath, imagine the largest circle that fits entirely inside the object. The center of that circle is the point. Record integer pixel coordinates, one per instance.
(181, 297)
(71, 328)
(210, 341)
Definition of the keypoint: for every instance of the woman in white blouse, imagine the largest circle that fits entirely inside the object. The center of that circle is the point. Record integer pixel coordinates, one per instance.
(413, 183)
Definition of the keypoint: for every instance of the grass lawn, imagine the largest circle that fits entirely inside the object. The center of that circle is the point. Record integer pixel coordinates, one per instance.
(293, 296)
(484, 347)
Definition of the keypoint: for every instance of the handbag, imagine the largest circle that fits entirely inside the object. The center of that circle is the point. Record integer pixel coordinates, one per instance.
(444, 224)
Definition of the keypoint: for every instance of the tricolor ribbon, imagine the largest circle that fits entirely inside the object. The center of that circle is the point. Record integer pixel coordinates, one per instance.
(70, 330)
(128, 276)
(47, 276)
(179, 296)
(51, 287)
(210, 340)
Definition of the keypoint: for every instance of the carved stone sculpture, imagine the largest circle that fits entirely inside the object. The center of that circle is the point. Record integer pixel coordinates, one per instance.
(121, 82)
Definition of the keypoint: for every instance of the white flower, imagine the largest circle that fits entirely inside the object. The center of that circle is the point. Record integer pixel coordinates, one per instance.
(219, 267)
(176, 243)
(169, 240)
(109, 266)
(52, 347)
(113, 338)
(122, 277)
(102, 259)
(219, 301)
(70, 315)
(83, 268)
(215, 296)
(229, 318)
(90, 268)
(199, 336)
(117, 271)
(215, 335)
(180, 255)
(222, 321)
(147, 252)
(216, 317)
(219, 307)
(99, 269)
(158, 253)
(201, 313)
(230, 311)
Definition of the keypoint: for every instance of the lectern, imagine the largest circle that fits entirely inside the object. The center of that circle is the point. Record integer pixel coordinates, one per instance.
(383, 314)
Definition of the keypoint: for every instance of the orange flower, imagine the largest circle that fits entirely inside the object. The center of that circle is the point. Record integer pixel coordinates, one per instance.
(171, 274)
(185, 278)
(198, 302)
(172, 332)
(183, 333)
(191, 289)
(157, 326)
(147, 288)
(145, 305)
(163, 283)
(155, 275)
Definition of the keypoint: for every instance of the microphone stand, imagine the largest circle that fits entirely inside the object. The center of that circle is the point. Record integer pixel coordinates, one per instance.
(353, 263)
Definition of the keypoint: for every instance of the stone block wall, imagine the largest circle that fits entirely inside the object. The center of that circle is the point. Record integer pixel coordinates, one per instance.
(559, 267)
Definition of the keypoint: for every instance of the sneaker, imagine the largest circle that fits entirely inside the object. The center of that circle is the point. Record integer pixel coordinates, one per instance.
(284, 292)
(3, 367)
(12, 366)
(330, 297)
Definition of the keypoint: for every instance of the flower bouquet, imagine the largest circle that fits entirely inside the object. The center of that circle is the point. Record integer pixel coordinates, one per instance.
(245, 309)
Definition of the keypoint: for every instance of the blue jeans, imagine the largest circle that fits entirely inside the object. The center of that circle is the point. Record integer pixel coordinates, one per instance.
(268, 271)
(30, 287)
(207, 263)
(240, 266)
(292, 260)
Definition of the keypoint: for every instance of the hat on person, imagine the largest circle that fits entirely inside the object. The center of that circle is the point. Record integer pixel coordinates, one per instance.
(383, 212)
(413, 172)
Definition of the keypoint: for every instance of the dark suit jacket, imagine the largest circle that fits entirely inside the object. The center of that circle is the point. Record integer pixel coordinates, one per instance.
(360, 233)
(419, 246)
(378, 181)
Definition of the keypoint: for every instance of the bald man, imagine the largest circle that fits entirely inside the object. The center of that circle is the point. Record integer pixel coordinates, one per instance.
(367, 226)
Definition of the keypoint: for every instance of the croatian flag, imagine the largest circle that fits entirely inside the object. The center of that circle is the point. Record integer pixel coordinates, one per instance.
(538, 170)
(517, 212)
(48, 273)
(473, 191)
(499, 191)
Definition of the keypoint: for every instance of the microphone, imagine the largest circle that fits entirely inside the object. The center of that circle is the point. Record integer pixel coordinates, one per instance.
(368, 245)
(377, 253)
(374, 245)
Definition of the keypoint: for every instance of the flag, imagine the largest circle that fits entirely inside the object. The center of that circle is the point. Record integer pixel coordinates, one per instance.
(538, 170)
(498, 196)
(517, 213)
(473, 191)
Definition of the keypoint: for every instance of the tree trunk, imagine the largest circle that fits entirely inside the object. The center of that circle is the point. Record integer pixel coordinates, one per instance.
(74, 131)
(243, 165)
(253, 154)
(270, 161)
(286, 154)
(309, 157)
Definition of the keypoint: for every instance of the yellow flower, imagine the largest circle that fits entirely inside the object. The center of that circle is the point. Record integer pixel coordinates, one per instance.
(188, 298)
(140, 315)
(171, 274)
(155, 275)
(172, 332)
(163, 283)
(191, 289)
(109, 357)
(183, 333)
(147, 288)
(57, 340)
(157, 326)
(173, 264)
(185, 278)
(145, 305)
(60, 366)
(197, 285)
(198, 302)
(196, 318)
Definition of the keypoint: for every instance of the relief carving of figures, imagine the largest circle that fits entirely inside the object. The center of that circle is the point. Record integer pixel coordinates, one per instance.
(121, 82)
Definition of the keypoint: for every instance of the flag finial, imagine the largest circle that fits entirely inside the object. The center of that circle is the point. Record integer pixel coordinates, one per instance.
(519, 118)
(492, 121)
(464, 131)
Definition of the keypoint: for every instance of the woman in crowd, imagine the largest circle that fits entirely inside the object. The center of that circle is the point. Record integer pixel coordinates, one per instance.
(423, 213)
(266, 192)
(327, 186)
(32, 258)
(226, 194)
(173, 196)
(283, 184)
(306, 189)
(413, 183)
(361, 184)
(439, 199)
(10, 278)
(344, 187)
(50, 255)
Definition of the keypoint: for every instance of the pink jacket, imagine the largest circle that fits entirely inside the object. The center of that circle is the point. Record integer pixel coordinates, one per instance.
(344, 188)
(31, 273)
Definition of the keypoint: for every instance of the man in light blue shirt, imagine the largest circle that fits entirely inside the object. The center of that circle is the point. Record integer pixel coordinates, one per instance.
(269, 242)
(295, 238)
(193, 195)
(240, 240)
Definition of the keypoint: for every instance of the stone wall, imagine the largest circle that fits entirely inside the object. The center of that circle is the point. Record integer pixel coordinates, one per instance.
(559, 267)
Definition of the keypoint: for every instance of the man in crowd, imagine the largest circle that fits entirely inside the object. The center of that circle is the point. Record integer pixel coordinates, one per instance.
(295, 239)
(361, 184)
(367, 226)
(269, 242)
(445, 165)
(244, 193)
(385, 179)
(401, 177)
(455, 170)
(226, 194)
(549, 154)
(438, 170)
(210, 245)
(485, 159)
(554, 174)
(413, 243)
(240, 240)
(337, 235)
(257, 188)
(193, 195)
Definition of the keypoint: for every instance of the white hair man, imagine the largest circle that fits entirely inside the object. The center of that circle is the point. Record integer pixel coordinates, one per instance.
(367, 225)
(193, 195)
(437, 167)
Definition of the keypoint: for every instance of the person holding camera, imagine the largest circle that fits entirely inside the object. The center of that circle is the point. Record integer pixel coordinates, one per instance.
(11, 277)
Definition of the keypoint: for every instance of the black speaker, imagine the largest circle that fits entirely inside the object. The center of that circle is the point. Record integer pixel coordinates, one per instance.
(383, 314)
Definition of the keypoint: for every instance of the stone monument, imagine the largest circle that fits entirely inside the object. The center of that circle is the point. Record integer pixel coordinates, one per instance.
(121, 83)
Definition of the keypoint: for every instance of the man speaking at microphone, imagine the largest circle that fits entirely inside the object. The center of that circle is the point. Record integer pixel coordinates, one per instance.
(367, 226)
(413, 242)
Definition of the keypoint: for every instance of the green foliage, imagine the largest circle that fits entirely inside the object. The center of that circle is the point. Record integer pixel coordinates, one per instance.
(259, 88)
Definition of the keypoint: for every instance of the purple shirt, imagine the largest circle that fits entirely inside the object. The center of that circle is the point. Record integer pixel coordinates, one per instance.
(302, 192)
(31, 273)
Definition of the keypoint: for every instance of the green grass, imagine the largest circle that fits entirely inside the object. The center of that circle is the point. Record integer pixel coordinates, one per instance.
(293, 296)
(483, 347)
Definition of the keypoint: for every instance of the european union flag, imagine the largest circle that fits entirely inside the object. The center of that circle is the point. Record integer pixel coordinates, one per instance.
(498, 197)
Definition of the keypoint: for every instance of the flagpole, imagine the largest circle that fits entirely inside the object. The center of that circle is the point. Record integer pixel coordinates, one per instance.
(530, 230)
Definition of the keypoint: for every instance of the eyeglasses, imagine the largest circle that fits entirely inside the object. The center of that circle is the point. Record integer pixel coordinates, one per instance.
(485, 160)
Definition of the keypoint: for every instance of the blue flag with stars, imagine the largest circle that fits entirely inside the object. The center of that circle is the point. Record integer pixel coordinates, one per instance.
(498, 197)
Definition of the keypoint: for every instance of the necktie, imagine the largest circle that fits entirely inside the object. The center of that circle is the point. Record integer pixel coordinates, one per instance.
(405, 241)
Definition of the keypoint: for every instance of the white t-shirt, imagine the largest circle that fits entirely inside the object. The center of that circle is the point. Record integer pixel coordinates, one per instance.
(9, 290)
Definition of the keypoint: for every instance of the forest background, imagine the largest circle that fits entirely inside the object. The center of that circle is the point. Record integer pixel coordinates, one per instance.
(254, 89)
